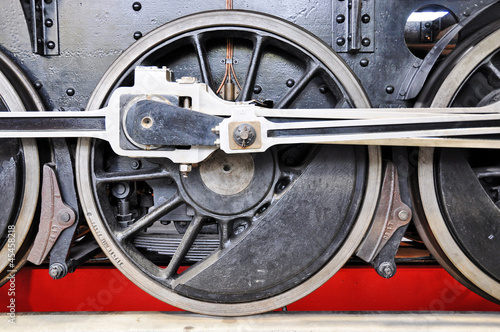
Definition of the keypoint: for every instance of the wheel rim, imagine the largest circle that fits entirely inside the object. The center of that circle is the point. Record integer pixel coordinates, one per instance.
(21, 177)
(192, 289)
(461, 245)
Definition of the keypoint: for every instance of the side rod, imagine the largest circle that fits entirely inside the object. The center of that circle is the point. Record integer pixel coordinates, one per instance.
(53, 124)
(158, 124)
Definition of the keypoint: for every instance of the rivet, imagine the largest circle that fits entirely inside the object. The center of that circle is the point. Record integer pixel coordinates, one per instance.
(290, 82)
(51, 45)
(48, 2)
(323, 89)
(137, 6)
(389, 89)
(364, 62)
(38, 85)
(365, 18)
(340, 18)
(49, 23)
(340, 41)
(366, 42)
(257, 89)
(70, 91)
(137, 35)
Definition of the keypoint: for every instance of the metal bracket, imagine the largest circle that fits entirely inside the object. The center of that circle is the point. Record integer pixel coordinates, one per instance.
(353, 26)
(43, 25)
(418, 73)
(391, 214)
(55, 217)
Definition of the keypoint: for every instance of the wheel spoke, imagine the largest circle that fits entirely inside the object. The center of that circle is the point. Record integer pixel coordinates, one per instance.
(187, 241)
(311, 72)
(201, 53)
(150, 218)
(122, 176)
(494, 71)
(484, 172)
(247, 88)
(224, 230)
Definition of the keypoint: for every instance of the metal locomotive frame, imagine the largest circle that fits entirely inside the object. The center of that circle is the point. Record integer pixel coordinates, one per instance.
(264, 188)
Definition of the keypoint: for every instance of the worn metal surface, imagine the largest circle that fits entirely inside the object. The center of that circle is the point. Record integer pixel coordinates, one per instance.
(391, 214)
(55, 217)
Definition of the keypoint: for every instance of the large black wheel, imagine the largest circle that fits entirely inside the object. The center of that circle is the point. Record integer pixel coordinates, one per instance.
(459, 187)
(258, 231)
(19, 173)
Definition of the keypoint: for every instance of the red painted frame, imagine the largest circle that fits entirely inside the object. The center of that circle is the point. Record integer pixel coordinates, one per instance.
(427, 288)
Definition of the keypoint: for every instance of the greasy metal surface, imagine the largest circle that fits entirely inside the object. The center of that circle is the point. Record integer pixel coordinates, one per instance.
(391, 214)
(55, 217)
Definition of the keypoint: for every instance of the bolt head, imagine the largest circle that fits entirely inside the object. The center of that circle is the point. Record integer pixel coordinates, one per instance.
(51, 45)
(403, 215)
(257, 89)
(366, 42)
(365, 18)
(57, 271)
(340, 41)
(364, 62)
(70, 92)
(244, 135)
(64, 217)
(290, 82)
(49, 23)
(386, 270)
(389, 89)
(135, 164)
(185, 168)
(340, 19)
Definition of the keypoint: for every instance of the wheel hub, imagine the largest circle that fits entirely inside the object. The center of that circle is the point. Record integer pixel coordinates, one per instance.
(231, 184)
(227, 174)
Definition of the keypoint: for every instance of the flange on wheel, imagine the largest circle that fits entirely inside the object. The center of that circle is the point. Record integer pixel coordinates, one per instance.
(459, 187)
(238, 234)
(19, 173)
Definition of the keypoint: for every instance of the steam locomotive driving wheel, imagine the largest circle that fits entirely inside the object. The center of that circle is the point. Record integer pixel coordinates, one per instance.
(19, 173)
(459, 187)
(237, 233)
